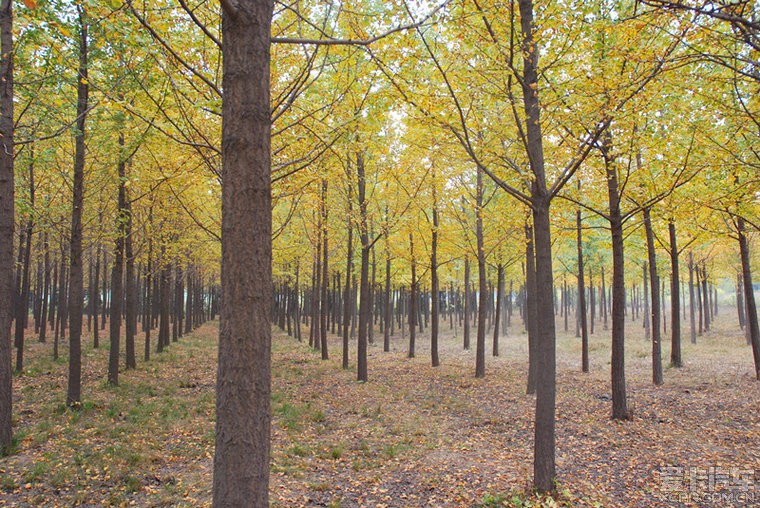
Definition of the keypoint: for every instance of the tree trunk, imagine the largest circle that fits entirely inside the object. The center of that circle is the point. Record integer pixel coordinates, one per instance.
(497, 317)
(480, 345)
(647, 309)
(325, 278)
(675, 300)
(22, 298)
(149, 295)
(347, 303)
(412, 300)
(364, 295)
(104, 306)
(604, 299)
(387, 300)
(434, 279)
(96, 300)
(6, 223)
(76, 289)
(466, 309)
(705, 299)
(45, 304)
(654, 284)
(164, 290)
(592, 301)
(190, 283)
(581, 292)
(740, 300)
(130, 315)
(22, 307)
(619, 401)
(749, 294)
(243, 407)
(692, 317)
(117, 274)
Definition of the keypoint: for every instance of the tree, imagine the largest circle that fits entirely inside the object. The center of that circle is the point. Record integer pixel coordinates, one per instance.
(6, 221)
(243, 412)
(76, 276)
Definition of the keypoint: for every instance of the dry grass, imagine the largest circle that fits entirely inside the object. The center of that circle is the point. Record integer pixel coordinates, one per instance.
(412, 436)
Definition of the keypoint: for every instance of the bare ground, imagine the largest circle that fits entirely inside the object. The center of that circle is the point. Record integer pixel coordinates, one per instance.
(413, 436)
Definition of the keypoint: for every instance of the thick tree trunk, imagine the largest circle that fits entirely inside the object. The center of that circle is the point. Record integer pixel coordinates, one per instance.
(617, 374)
(117, 275)
(130, 314)
(466, 309)
(498, 309)
(22, 302)
(604, 299)
(243, 410)
(654, 284)
(325, 278)
(647, 309)
(364, 295)
(480, 345)
(592, 301)
(434, 280)
(699, 298)
(347, 302)
(45, 304)
(149, 295)
(104, 307)
(740, 307)
(76, 289)
(22, 298)
(545, 349)
(412, 300)
(749, 294)
(545, 338)
(705, 299)
(581, 292)
(164, 291)
(96, 300)
(387, 300)
(6, 222)
(675, 300)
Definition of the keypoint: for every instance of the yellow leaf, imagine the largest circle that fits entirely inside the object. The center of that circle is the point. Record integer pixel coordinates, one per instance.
(30, 4)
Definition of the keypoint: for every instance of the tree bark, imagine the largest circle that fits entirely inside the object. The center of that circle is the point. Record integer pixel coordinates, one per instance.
(466, 309)
(325, 278)
(243, 410)
(45, 304)
(435, 360)
(387, 301)
(654, 284)
(347, 302)
(130, 315)
(581, 292)
(498, 309)
(675, 300)
(705, 299)
(412, 300)
(749, 294)
(692, 301)
(6, 223)
(117, 273)
(364, 294)
(480, 345)
(740, 307)
(22, 302)
(76, 289)
(149, 296)
(617, 374)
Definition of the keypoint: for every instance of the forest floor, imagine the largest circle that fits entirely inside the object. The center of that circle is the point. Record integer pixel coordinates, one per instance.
(413, 436)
